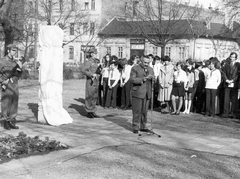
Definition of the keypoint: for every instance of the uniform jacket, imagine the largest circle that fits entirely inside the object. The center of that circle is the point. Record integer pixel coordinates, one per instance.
(9, 69)
(89, 69)
(139, 88)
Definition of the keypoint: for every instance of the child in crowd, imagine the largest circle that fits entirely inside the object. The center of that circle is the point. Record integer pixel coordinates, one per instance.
(189, 86)
(178, 91)
(212, 84)
(113, 84)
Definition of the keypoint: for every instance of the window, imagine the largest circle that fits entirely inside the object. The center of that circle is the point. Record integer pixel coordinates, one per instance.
(92, 28)
(182, 52)
(109, 50)
(30, 4)
(155, 50)
(135, 6)
(93, 5)
(72, 5)
(126, 6)
(71, 28)
(209, 25)
(85, 28)
(60, 5)
(168, 51)
(71, 52)
(30, 27)
(31, 53)
(86, 6)
(120, 52)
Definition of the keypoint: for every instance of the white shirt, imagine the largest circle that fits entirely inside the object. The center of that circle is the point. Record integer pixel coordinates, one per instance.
(206, 72)
(125, 74)
(105, 72)
(213, 80)
(114, 75)
(180, 76)
(156, 69)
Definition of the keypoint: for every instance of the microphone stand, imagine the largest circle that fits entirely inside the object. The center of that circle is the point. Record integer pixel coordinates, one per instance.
(152, 99)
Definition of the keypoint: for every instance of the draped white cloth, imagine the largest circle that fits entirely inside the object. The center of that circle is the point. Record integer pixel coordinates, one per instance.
(50, 57)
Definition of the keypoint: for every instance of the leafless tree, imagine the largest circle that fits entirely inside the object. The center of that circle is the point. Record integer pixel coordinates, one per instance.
(161, 21)
(10, 19)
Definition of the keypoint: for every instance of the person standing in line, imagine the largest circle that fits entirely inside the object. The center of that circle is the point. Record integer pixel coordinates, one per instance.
(165, 83)
(10, 72)
(200, 86)
(141, 77)
(188, 91)
(125, 84)
(220, 92)
(114, 77)
(206, 71)
(152, 62)
(156, 69)
(105, 76)
(230, 76)
(211, 87)
(90, 69)
(179, 84)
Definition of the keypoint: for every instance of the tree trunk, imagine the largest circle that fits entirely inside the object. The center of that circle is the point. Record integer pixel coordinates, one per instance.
(9, 37)
(162, 51)
(5, 22)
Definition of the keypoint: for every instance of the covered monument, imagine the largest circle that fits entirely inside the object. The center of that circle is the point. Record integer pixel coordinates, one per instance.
(50, 57)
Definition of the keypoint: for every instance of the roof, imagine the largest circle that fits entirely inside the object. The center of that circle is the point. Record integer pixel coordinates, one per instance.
(117, 27)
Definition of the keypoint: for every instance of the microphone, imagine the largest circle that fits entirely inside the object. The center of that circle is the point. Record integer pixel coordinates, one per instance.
(146, 70)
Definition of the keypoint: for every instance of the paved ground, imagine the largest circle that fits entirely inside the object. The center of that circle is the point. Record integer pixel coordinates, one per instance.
(191, 146)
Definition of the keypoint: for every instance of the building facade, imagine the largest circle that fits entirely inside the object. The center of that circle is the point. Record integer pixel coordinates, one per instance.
(84, 20)
(118, 42)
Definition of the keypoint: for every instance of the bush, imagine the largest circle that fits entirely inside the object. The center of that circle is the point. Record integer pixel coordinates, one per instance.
(67, 73)
(21, 145)
(72, 72)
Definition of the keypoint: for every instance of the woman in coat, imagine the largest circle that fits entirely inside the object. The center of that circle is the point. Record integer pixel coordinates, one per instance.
(165, 83)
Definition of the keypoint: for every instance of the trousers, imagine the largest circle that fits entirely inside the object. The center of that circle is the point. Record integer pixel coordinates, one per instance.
(9, 102)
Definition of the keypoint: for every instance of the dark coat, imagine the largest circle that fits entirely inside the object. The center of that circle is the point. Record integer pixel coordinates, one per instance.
(140, 88)
(230, 73)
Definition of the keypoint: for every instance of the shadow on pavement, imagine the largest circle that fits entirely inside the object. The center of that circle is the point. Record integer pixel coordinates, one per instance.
(81, 100)
(119, 121)
(79, 108)
(34, 108)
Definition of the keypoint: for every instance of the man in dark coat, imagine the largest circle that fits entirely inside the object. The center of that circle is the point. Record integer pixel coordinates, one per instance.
(230, 77)
(10, 71)
(91, 70)
(141, 78)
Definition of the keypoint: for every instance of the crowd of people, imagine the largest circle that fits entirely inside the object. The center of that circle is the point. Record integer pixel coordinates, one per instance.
(209, 87)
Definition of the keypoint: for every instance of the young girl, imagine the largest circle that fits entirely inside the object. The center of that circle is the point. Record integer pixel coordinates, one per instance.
(212, 84)
(105, 75)
(178, 91)
(189, 87)
(113, 79)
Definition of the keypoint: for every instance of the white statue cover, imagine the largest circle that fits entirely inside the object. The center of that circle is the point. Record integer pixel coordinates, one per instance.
(50, 57)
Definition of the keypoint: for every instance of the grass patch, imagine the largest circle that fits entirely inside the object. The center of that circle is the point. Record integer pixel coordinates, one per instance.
(22, 146)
